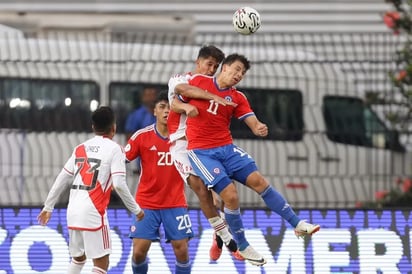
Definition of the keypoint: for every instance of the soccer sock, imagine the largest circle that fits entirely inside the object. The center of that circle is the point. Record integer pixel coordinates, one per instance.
(98, 270)
(236, 226)
(222, 215)
(183, 267)
(75, 267)
(275, 201)
(221, 229)
(141, 268)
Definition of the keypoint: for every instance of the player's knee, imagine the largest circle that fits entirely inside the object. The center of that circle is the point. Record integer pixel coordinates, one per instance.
(257, 182)
(181, 251)
(138, 256)
(102, 262)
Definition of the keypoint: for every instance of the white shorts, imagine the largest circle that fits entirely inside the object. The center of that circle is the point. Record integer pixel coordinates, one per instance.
(95, 244)
(178, 151)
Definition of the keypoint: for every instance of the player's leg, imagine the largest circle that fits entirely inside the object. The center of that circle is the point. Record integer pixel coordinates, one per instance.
(235, 160)
(100, 265)
(178, 231)
(142, 233)
(139, 257)
(228, 193)
(277, 203)
(76, 248)
(209, 165)
(220, 206)
(179, 155)
(98, 246)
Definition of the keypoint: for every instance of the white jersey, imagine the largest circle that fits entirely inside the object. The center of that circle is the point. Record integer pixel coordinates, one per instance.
(93, 167)
(178, 120)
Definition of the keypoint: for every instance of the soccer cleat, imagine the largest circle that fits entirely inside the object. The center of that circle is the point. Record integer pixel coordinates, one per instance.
(237, 255)
(251, 255)
(305, 229)
(216, 249)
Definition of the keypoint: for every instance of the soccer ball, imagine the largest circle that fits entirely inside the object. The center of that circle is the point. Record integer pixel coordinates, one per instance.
(246, 20)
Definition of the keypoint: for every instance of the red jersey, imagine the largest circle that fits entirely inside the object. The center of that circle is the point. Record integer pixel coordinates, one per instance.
(160, 185)
(210, 128)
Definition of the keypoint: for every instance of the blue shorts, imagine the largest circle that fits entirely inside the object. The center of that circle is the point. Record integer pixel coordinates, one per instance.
(218, 166)
(176, 224)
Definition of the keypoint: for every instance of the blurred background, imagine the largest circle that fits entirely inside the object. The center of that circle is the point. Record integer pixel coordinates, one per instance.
(318, 71)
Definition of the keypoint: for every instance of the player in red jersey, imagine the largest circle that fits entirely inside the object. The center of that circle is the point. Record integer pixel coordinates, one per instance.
(160, 193)
(207, 62)
(218, 161)
(92, 169)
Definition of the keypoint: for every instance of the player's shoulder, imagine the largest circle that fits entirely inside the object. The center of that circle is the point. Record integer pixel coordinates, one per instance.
(238, 92)
(143, 132)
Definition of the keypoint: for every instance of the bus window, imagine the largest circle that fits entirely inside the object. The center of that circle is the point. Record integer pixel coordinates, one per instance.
(47, 105)
(349, 121)
(281, 110)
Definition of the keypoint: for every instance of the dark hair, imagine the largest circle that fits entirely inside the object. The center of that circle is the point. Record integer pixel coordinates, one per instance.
(230, 59)
(103, 119)
(162, 96)
(211, 51)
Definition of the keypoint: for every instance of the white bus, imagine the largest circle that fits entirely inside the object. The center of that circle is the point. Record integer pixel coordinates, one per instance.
(326, 147)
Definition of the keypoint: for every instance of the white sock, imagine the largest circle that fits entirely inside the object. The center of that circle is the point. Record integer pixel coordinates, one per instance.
(98, 270)
(222, 215)
(75, 267)
(219, 225)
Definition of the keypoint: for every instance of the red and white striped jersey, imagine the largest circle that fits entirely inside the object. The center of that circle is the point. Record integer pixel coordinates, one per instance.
(92, 164)
(176, 122)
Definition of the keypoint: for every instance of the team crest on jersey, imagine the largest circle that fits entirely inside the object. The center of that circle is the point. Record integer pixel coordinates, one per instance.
(216, 170)
(228, 98)
(132, 228)
(127, 147)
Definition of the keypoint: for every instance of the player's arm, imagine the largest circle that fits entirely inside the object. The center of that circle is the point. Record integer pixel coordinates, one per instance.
(258, 128)
(118, 169)
(180, 107)
(121, 188)
(60, 184)
(189, 91)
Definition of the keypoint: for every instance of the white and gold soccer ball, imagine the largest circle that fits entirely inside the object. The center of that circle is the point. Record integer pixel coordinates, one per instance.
(246, 20)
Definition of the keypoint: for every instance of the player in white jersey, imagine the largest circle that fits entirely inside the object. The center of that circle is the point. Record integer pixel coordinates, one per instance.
(208, 60)
(94, 168)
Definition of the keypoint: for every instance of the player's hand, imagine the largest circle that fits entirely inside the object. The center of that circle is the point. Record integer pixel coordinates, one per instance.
(223, 101)
(140, 215)
(261, 130)
(44, 217)
(191, 111)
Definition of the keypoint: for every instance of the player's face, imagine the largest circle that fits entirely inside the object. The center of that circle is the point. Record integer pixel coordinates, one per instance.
(206, 66)
(232, 74)
(161, 111)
